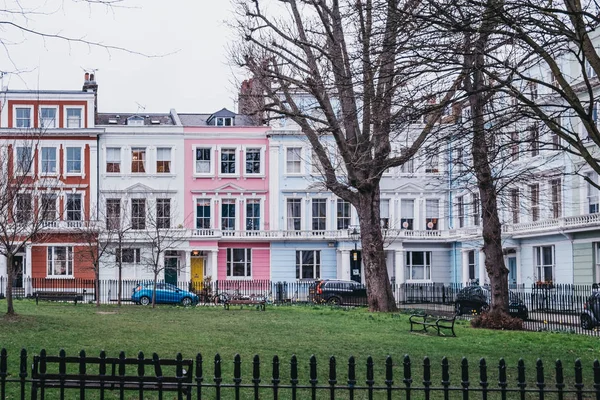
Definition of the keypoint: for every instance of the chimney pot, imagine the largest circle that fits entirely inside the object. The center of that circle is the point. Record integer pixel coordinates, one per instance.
(91, 77)
(87, 76)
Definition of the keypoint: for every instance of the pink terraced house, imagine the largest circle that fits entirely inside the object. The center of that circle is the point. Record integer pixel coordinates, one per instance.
(227, 196)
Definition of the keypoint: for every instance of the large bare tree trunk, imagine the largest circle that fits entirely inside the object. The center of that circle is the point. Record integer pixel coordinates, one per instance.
(380, 294)
(10, 269)
(492, 228)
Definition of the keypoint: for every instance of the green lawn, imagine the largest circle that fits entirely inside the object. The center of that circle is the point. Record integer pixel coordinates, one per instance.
(300, 330)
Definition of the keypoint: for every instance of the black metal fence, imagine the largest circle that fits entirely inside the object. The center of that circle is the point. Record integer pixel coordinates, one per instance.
(549, 307)
(83, 376)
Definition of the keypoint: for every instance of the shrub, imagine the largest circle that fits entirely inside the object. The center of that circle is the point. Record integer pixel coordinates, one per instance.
(497, 320)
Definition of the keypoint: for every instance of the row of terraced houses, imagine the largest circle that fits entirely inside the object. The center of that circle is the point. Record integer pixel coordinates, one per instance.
(245, 202)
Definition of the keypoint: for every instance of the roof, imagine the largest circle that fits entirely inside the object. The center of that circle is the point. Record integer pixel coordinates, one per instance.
(201, 119)
(121, 119)
(45, 92)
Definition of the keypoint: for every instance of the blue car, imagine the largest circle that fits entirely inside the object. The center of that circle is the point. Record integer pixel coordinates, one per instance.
(165, 294)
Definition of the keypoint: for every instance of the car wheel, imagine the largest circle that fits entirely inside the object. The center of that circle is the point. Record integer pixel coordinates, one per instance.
(144, 300)
(586, 322)
(457, 308)
(186, 302)
(334, 301)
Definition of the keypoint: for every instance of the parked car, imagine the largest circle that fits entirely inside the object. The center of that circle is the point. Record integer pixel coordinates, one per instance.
(339, 292)
(165, 293)
(590, 317)
(476, 299)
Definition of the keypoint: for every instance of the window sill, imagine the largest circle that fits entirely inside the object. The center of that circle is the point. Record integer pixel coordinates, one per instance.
(250, 176)
(207, 175)
(239, 278)
(60, 277)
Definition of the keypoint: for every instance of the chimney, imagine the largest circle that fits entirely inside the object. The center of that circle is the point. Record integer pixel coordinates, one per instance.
(251, 101)
(90, 85)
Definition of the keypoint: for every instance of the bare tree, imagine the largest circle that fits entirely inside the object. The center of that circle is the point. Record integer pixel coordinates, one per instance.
(159, 236)
(27, 201)
(340, 69)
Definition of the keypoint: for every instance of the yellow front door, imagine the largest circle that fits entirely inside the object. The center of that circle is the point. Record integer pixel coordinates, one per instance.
(197, 273)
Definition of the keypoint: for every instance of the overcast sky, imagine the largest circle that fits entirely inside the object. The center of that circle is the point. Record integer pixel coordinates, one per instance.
(196, 78)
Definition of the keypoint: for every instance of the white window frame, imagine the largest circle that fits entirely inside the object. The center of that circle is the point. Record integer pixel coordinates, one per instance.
(19, 106)
(40, 119)
(66, 117)
(144, 161)
(247, 263)
(224, 120)
(16, 170)
(116, 218)
(28, 211)
(212, 153)
(540, 264)
(236, 162)
(210, 212)
(43, 215)
(136, 253)
(404, 218)
(340, 218)
(461, 212)
(435, 219)
(51, 259)
(159, 218)
(317, 217)
(288, 217)
(260, 214)
(66, 161)
(145, 217)
(41, 148)
(556, 204)
(426, 267)
(317, 266)
(106, 160)
(236, 213)
(170, 160)
(592, 195)
(66, 210)
(301, 155)
(385, 220)
(262, 152)
(534, 207)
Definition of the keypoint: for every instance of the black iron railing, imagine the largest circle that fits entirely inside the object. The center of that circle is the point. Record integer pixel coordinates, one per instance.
(555, 307)
(84, 376)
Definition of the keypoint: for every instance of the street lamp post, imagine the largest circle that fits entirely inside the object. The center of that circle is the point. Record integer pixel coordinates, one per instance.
(355, 235)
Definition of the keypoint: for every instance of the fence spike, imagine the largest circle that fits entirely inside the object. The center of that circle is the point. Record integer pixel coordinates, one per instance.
(237, 369)
(62, 366)
(313, 370)
(3, 363)
(141, 370)
(218, 377)
(351, 371)
(483, 378)
(370, 374)
(389, 372)
(560, 381)
(122, 363)
(294, 370)
(426, 372)
(597, 377)
(578, 375)
(539, 367)
(464, 367)
(407, 371)
(445, 372)
(502, 373)
(256, 369)
(101, 368)
(332, 371)
(275, 369)
(157, 367)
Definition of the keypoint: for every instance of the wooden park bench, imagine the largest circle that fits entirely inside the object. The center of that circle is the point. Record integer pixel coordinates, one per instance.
(58, 296)
(428, 321)
(110, 374)
(261, 303)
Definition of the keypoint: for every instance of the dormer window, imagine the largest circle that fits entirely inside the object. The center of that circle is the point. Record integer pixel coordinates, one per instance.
(135, 121)
(223, 121)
